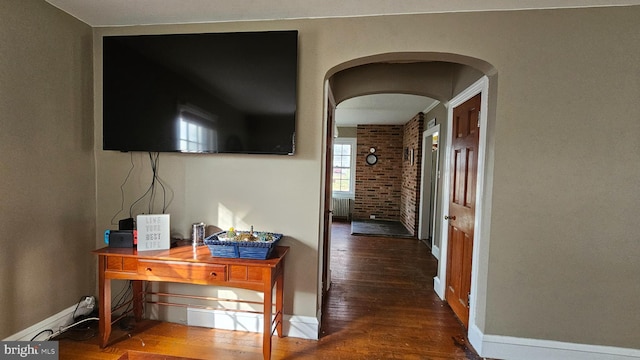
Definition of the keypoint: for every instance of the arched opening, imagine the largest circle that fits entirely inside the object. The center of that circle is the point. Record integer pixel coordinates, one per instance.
(438, 76)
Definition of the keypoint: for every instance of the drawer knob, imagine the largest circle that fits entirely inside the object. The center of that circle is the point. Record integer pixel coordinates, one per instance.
(213, 274)
(148, 269)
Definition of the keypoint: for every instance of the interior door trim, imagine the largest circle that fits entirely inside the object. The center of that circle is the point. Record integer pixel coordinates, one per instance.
(482, 194)
(427, 213)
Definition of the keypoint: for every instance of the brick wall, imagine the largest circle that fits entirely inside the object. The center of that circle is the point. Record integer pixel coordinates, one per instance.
(379, 187)
(389, 190)
(411, 170)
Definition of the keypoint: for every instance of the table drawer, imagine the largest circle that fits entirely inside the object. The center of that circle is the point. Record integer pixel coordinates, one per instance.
(182, 271)
(119, 263)
(245, 273)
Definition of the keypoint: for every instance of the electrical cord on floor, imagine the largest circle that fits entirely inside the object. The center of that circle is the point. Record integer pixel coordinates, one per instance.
(79, 334)
(62, 329)
(89, 303)
(43, 331)
(65, 328)
(71, 327)
(81, 319)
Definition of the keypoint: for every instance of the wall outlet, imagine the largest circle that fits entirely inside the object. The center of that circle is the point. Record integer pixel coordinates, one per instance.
(372, 217)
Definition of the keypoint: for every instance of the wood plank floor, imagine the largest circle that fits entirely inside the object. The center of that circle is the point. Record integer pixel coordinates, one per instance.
(381, 306)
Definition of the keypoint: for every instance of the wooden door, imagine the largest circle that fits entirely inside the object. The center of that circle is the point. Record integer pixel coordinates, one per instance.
(462, 205)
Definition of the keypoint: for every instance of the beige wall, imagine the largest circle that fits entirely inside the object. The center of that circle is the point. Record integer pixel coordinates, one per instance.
(347, 131)
(47, 183)
(563, 247)
(560, 243)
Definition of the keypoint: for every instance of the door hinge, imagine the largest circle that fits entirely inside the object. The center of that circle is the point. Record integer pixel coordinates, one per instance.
(468, 299)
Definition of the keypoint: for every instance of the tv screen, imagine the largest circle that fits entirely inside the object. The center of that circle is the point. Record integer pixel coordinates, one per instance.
(201, 93)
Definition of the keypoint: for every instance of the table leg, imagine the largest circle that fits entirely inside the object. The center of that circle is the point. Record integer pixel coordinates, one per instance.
(268, 303)
(104, 305)
(138, 299)
(279, 301)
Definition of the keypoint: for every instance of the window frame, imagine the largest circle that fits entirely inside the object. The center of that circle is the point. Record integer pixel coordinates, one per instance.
(352, 167)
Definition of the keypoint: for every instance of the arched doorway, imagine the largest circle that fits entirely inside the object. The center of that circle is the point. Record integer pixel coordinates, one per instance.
(439, 76)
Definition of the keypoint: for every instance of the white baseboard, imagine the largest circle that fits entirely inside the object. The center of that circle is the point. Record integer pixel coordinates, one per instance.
(438, 288)
(475, 337)
(508, 347)
(436, 252)
(54, 322)
(305, 327)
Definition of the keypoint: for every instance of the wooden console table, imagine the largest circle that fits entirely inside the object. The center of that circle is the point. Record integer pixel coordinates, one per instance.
(184, 265)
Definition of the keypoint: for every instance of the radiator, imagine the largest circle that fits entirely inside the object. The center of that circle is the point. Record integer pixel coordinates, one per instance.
(342, 207)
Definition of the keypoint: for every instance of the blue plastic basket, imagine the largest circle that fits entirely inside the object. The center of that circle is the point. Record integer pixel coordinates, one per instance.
(260, 250)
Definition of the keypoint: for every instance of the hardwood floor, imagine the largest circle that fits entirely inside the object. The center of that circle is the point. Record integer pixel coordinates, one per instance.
(381, 306)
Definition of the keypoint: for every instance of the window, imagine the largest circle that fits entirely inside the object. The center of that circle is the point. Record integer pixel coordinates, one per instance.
(197, 131)
(344, 166)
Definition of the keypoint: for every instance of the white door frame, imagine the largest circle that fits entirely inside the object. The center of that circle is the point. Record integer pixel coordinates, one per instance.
(428, 213)
(481, 243)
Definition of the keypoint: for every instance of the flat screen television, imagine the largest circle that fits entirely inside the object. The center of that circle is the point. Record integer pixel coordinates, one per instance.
(201, 93)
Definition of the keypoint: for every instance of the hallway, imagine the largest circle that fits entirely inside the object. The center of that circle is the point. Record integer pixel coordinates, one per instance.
(382, 305)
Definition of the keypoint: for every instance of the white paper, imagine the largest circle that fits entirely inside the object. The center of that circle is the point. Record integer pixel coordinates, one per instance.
(153, 232)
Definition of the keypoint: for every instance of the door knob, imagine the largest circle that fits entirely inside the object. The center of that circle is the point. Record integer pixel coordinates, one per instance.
(447, 217)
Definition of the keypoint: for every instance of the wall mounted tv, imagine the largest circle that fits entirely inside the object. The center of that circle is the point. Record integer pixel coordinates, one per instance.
(201, 93)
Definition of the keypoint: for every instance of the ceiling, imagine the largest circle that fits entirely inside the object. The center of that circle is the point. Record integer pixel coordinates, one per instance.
(370, 109)
(143, 12)
(381, 109)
